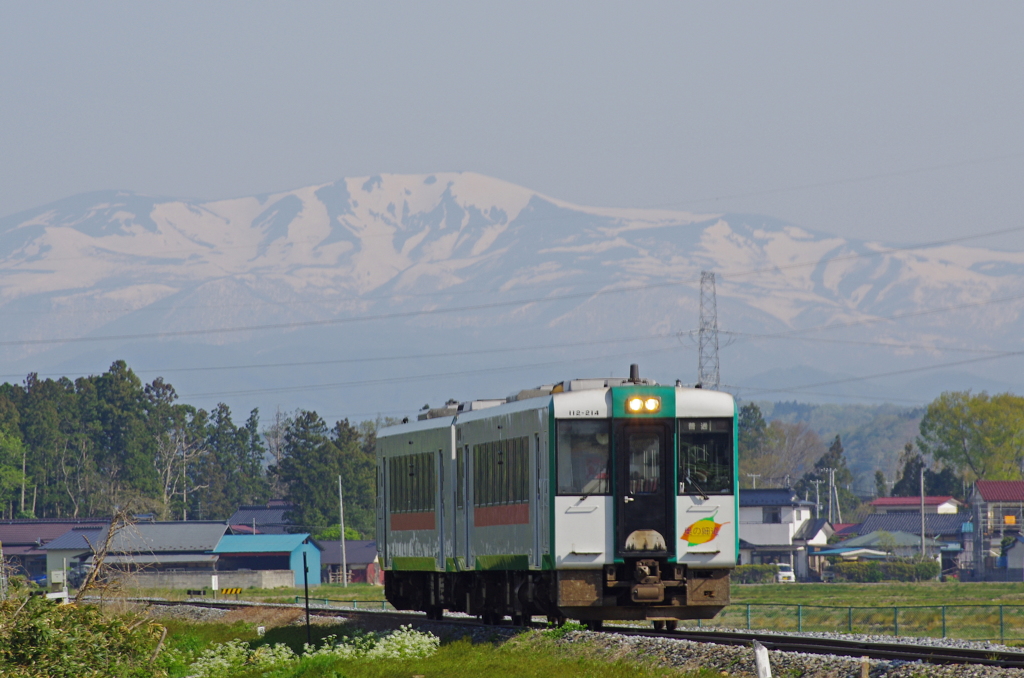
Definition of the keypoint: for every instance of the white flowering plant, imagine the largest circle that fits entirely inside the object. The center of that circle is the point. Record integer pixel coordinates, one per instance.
(405, 643)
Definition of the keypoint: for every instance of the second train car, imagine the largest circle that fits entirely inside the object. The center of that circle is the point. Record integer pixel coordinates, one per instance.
(590, 499)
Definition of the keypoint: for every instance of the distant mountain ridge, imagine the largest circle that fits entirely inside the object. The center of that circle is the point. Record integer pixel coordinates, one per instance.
(413, 247)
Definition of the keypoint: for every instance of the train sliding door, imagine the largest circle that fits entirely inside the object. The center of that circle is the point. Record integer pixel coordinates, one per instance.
(643, 487)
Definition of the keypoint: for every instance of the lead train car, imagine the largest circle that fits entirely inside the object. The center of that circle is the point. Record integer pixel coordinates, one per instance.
(595, 499)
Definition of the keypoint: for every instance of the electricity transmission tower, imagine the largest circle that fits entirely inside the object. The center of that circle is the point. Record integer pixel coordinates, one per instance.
(707, 360)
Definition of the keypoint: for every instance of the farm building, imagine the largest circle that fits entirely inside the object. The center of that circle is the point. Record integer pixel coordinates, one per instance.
(360, 557)
(238, 552)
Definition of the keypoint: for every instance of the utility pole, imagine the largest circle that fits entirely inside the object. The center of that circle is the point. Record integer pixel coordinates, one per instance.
(839, 507)
(831, 485)
(817, 498)
(707, 344)
(341, 522)
(753, 479)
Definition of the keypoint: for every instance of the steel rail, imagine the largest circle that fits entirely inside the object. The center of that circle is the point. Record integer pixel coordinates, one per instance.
(896, 650)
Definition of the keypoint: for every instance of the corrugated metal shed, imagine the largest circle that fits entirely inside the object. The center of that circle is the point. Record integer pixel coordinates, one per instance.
(191, 535)
(261, 543)
(77, 538)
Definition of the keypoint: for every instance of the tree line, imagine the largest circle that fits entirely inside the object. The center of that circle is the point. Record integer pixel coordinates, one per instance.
(83, 447)
(963, 437)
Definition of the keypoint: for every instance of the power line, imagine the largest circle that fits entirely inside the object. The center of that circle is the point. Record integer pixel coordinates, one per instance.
(420, 356)
(879, 375)
(423, 377)
(854, 342)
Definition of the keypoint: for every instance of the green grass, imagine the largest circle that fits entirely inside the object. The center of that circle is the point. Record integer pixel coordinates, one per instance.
(462, 659)
(883, 594)
(974, 611)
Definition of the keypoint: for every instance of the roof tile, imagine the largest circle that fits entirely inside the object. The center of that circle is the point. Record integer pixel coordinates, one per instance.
(1001, 490)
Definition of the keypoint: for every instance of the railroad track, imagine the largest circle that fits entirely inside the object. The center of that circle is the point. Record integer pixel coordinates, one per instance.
(905, 650)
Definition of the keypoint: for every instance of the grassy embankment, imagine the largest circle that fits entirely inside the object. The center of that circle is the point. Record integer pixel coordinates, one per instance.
(531, 655)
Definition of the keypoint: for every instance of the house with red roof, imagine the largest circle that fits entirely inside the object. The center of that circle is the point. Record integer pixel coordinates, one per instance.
(941, 505)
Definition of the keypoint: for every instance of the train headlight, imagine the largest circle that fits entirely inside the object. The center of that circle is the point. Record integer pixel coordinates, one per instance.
(643, 404)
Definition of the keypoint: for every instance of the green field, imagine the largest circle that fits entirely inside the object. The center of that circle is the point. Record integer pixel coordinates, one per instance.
(886, 594)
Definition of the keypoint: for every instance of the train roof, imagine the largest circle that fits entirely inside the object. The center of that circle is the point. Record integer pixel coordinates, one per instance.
(695, 402)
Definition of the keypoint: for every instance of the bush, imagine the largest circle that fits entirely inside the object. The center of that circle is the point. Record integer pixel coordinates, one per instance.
(38, 637)
(755, 574)
(876, 571)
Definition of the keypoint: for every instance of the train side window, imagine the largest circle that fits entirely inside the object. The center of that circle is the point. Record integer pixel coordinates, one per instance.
(705, 456)
(583, 453)
(412, 483)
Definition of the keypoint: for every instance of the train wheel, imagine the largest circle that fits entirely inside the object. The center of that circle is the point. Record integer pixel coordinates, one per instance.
(594, 624)
(671, 625)
(659, 625)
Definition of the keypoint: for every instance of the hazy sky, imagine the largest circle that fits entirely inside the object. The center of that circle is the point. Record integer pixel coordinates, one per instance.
(899, 121)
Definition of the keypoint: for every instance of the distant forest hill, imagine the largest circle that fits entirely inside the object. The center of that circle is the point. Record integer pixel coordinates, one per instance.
(873, 436)
(81, 448)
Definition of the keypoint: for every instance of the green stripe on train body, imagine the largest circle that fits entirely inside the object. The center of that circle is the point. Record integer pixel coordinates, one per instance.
(507, 562)
(407, 563)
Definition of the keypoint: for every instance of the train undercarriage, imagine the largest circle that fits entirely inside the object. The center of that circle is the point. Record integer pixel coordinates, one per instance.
(638, 589)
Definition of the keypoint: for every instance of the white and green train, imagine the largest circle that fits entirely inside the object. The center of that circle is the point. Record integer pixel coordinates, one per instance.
(591, 499)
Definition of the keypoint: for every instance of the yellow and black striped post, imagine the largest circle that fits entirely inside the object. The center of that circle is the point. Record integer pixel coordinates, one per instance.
(228, 592)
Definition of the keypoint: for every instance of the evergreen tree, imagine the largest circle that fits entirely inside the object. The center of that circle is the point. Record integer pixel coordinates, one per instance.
(231, 472)
(752, 430)
(309, 470)
(358, 477)
(941, 483)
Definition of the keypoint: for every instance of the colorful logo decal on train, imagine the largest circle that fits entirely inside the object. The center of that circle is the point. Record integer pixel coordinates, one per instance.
(702, 531)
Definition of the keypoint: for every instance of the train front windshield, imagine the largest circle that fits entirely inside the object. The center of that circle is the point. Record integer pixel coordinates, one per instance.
(583, 457)
(705, 456)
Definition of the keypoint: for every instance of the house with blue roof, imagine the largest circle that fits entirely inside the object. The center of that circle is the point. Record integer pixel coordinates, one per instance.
(270, 552)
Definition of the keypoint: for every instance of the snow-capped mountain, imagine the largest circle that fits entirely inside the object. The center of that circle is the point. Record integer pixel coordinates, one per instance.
(377, 294)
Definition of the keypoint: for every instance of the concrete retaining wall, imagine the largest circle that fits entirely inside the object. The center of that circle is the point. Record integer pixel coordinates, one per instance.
(261, 579)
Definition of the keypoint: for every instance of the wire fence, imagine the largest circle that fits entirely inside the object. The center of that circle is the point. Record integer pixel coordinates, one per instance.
(965, 622)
